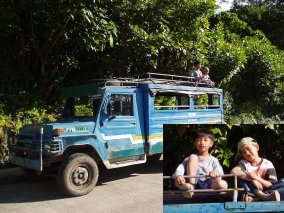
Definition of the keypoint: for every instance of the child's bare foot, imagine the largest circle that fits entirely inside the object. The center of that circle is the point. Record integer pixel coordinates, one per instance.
(185, 187)
(247, 198)
(274, 196)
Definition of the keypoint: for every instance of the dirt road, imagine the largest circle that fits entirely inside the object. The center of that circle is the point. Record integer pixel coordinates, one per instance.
(130, 189)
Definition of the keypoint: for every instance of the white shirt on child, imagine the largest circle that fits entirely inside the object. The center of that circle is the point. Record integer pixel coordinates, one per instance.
(205, 77)
(265, 170)
(196, 74)
(206, 165)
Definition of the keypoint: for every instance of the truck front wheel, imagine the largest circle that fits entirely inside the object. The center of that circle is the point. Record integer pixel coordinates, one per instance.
(77, 175)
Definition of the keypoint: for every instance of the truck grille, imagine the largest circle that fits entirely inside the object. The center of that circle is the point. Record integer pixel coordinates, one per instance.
(56, 146)
(26, 137)
(27, 141)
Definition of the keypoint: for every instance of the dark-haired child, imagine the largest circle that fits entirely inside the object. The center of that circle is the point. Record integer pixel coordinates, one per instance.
(196, 73)
(201, 163)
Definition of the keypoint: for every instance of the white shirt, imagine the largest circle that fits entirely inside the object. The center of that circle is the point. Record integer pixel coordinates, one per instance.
(206, 165)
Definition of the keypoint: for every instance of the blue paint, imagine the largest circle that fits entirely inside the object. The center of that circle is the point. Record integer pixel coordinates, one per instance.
(267, 206)
(125, 121)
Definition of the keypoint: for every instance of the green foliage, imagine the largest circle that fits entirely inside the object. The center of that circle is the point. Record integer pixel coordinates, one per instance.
(266, 16)
(2, 109)
(83, 110)
(9, 127)
(248, 67)
(221, 149)
(161, 100)
(32, 116)
(43, 43)
(46, 45)
(201, 101)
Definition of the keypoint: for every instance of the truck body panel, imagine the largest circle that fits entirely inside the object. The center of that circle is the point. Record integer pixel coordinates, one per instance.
(117, 122)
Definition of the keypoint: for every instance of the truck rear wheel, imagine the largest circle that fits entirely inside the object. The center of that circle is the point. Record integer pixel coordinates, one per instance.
(77, 175)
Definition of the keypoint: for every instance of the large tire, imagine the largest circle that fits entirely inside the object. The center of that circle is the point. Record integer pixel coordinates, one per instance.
(77, 175)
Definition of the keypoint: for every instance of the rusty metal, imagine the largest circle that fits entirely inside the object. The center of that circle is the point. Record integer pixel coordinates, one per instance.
(235, 190)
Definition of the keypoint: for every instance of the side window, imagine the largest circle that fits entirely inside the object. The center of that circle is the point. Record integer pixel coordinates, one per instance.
(82, 107)
(206, 101)
(184, 102)
(164, 101)
(200, 101)
(122, 105)
(170, 101)
(214, 101)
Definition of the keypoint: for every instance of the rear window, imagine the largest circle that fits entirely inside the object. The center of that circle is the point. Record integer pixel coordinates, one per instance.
(206, 101)
(171, 101)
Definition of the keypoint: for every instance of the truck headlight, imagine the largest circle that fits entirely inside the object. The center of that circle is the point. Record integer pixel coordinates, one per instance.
(57, 132)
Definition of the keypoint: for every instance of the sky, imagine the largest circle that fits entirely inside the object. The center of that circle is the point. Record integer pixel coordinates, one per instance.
(224, 6)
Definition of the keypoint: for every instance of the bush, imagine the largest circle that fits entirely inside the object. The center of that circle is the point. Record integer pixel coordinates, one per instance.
(9, 127)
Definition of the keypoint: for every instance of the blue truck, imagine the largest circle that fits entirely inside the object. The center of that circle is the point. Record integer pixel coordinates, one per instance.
(114, 122)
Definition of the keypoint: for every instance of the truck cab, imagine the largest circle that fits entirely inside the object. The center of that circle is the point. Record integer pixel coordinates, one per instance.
(113, 122)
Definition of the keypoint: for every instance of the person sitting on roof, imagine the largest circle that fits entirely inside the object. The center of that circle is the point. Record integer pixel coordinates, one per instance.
(196, 73)
(206, 78)
(201, 163)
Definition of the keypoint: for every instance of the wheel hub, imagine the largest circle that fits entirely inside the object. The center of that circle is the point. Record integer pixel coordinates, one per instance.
(80, 176)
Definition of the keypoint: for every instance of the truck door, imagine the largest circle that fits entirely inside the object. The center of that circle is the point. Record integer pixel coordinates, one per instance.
(122, 125)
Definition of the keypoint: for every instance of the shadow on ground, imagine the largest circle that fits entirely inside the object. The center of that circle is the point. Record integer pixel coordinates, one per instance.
(17, 188)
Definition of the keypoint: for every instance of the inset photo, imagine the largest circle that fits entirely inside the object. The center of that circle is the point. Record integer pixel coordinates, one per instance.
(223, 168)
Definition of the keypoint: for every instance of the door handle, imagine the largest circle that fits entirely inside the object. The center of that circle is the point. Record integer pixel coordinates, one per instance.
(132, 122)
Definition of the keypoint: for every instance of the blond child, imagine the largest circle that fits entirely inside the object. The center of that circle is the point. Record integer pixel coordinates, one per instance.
(201, 163)
(206, 78)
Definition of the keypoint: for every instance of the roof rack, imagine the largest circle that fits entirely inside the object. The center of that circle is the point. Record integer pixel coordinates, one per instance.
(160, 76)
(173, 79)
(149, 77)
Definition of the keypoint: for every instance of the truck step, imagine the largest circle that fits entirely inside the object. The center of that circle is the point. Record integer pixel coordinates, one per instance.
(138, 159)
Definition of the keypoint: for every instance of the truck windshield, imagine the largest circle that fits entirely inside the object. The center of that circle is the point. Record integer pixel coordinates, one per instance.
(82, 106)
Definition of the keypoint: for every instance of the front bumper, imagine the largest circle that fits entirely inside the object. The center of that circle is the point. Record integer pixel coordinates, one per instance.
(26, 162)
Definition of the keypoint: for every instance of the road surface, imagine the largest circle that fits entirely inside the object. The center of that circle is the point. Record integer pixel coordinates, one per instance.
(130, 189)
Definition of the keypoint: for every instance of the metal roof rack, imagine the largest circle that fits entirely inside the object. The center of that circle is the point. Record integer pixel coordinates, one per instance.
(149, 77)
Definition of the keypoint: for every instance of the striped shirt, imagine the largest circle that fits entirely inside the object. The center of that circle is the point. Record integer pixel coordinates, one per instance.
(265, 169)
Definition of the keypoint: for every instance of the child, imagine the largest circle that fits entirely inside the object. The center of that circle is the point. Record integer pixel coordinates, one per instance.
(206, 78)
(258, 174)
(197, 74)
(202, 163)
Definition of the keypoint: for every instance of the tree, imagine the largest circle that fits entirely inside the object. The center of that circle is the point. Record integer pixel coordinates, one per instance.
(267, 16)
(42, 42)
(51, 44)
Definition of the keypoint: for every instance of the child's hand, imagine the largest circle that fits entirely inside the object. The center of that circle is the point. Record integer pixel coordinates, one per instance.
(253, 176)
(257, 184)
(214, 174)
(179, 180)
